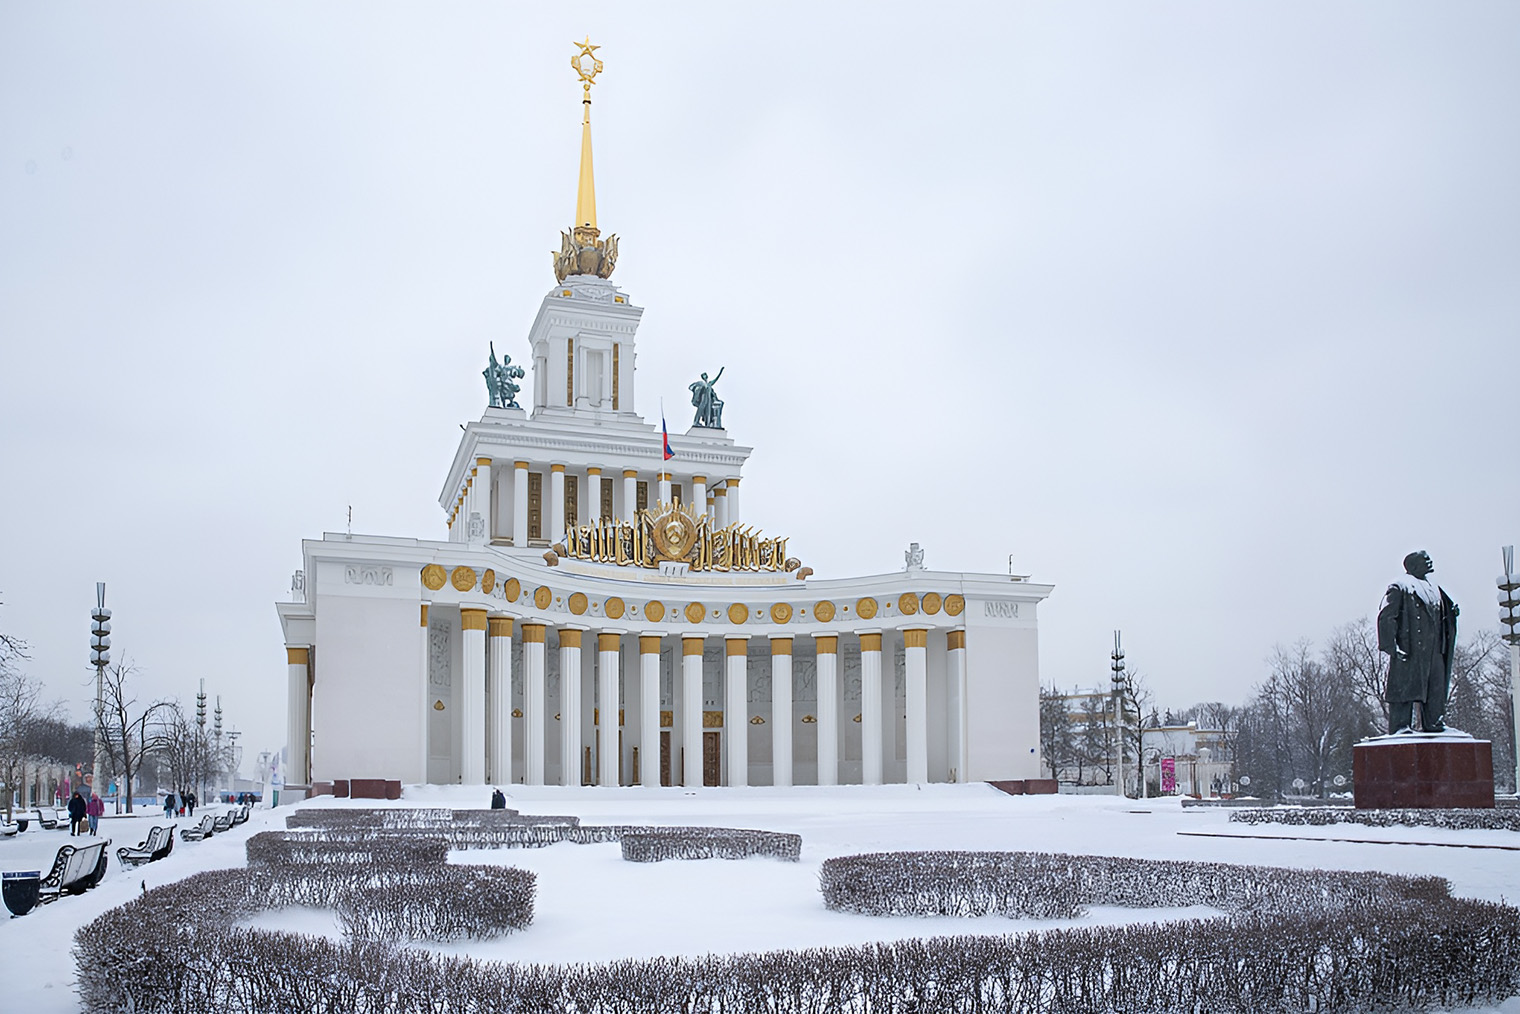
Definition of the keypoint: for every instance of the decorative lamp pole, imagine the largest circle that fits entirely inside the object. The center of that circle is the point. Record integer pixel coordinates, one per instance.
(200, 743)
(216, 732)
(1118, 686)
(1509, 619)
(100, 658)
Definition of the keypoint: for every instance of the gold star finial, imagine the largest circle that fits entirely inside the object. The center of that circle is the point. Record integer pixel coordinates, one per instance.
(585, 62)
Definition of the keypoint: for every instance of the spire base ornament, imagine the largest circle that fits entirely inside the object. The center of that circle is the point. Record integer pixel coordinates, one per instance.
(583, 252)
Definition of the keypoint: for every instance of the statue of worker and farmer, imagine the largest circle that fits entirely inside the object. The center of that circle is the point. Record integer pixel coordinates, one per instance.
(499, 377)
(1417, 630)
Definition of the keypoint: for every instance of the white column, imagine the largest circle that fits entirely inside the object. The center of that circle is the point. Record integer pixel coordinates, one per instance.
(472, 741)
(630, 494)
(649, 711)
(781, 711)
(534, 712)
(520, 504)
(556, 526)
(480, 497)
(828, 709)
(712, 505)
(870, 709)
(699, 493)
(955, 644)
(424, 698)
(916, 664)
(298, 714)
(691, 710)
(609, 675)
(570, 706)
(499, 669)
(594, 491)
(720, 505)
(664, 494)
(736, 709)
(733, 500)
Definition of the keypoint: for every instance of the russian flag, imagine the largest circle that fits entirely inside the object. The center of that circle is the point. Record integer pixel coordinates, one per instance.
(665, 438)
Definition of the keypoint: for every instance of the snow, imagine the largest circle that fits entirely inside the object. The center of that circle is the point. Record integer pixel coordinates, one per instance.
(593, 906)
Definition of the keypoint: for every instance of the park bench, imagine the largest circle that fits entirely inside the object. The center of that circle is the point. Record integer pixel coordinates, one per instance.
(8, 828)
(223, 822)
(75, 870)
(205, 829)
(240, 814)
(159, 843)
(47, 818)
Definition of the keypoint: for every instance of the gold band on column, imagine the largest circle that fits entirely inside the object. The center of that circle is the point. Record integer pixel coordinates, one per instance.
(499, 626)
(593, 470)
(630, 473)
(916, 638)
(609, 642)
(736, 646)
(648, 645)
(298, 656)
(533, 633)
(870, 642)
(424, 613)
(781, 646)
(691, 645)
(955, 639)
(520, 464)
(472, 619)
(569, 638)
(482, 461)
(556, 468)
(828, 644)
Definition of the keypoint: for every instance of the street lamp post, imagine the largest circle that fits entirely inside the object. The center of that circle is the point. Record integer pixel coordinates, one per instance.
(1118, 686)
(1509, 619)
(100, 658)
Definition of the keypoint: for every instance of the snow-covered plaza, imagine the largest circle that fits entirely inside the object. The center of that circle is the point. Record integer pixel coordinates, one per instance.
(592, 905)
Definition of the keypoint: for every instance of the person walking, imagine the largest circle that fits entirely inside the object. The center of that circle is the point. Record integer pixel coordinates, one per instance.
(77, 809)
(95, 809)
(168, 805)
(498, 800)
(190, 802)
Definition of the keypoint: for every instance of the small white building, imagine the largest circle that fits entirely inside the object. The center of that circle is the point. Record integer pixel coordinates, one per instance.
(1199, 759)
(602, 613)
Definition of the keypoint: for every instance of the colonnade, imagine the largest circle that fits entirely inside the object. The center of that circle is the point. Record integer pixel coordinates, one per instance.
(486, 741)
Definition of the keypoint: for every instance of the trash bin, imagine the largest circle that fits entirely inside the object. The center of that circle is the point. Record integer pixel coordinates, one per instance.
(20, 890)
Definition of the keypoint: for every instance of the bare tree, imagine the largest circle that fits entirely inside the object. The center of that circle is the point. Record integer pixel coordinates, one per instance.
(21, 711)
(1055, 730)
(186, 752)
(127, 732)
(1352, 655)
(1134, 697)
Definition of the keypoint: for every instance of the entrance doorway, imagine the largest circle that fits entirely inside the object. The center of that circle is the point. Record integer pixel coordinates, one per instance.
(711, 767)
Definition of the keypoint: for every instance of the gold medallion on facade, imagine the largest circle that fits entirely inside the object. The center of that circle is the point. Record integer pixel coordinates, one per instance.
(654, 611)
(823, 612)
(865, 608)
(463, 578)
(488, 582)
(542, 596)
(433, 577)
(512, 589)
(578, 603)
(907, 603)
(781, 612)
(932, 602)
(613, 608)
(955, 605)
(695, 612)
(738, 612)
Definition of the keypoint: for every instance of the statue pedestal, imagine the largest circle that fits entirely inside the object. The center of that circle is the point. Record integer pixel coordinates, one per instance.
(1423, 770)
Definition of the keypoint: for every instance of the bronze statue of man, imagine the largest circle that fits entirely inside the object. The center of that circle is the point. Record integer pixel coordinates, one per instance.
(1417, 630)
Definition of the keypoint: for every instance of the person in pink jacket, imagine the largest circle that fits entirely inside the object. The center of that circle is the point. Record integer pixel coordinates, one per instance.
(93, 809)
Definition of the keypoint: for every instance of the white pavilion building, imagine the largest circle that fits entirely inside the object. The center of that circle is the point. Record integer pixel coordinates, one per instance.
(599, 614)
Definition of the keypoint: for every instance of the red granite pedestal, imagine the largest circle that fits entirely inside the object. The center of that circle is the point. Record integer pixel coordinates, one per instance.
(1419, 771)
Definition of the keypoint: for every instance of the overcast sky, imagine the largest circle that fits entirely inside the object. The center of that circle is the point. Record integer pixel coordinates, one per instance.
(1204, 313)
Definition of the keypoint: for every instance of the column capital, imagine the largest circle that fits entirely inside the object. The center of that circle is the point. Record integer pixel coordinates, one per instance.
(720, 490)
(692, 645)
(498, 626)
(733, 483)
(870, 641)
(533, 633)
(607, 641)
(699, 478)
(520, 464)
(297, 656)
(955, 639)
(827, 644)
(649, 644)
(736, 644)
(557, 468)
(570, 637)
(915, 637)
(482, 461)
(630, 473)
(593, 470)
(424, 613)
(472, 619)
(781, 646)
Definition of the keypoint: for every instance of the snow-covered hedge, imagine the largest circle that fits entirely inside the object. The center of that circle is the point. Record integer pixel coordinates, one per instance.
(1036, 885)
(1507, 819)
(657, 844)
(281, 848)
(395, 816)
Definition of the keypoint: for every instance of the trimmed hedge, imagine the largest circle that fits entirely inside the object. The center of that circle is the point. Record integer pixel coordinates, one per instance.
(1456, 820)
(657, 844)
(394, 816)
(283, 848)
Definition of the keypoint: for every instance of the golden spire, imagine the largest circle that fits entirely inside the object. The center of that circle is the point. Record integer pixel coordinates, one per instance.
(582, 250)
(588, 67)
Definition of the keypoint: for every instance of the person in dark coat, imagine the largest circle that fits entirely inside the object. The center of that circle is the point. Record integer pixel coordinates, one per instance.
(168, 805)
(190, 802)
(498, 800)
(1417, 630)
(77, 809)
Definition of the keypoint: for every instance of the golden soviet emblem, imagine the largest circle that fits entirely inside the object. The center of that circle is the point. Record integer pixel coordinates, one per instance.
(674, 535)
(585, 62)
